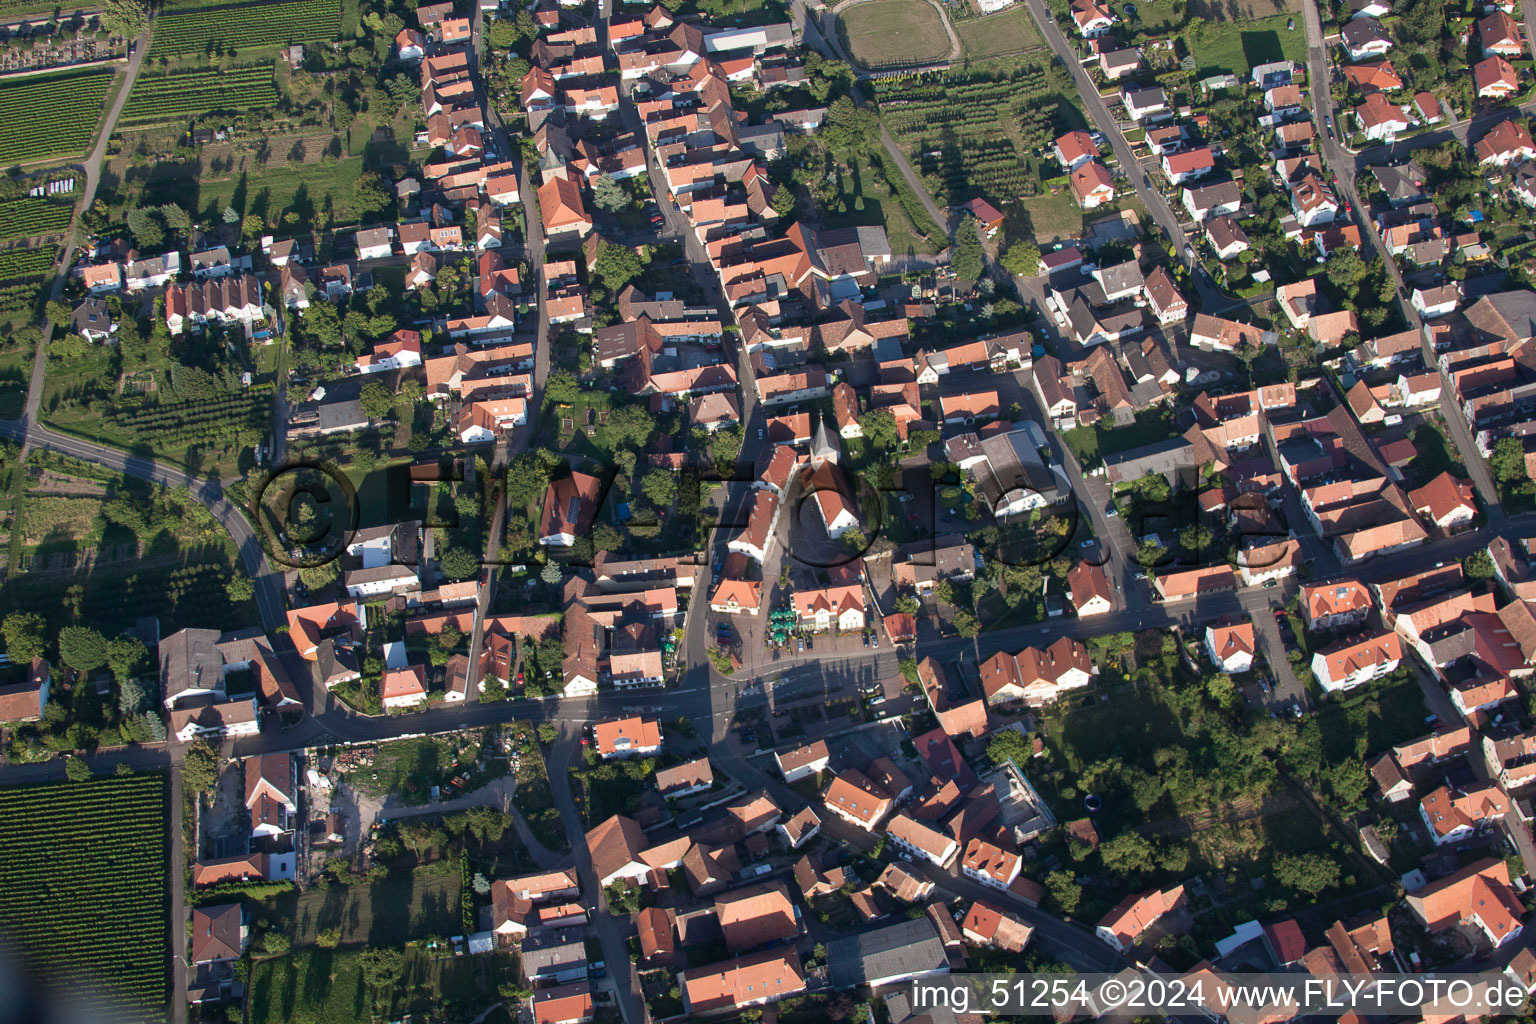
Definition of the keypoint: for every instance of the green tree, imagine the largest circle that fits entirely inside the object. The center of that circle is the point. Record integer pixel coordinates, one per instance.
(376, 400)
(968, 260)
(370, 195)
(617, 265)
(659, 487)
(783, 201)
(1346, 270)
(239, 588)
(1022, 258)
(1129, 853)
(725, 446)
(76, 769)
(561, 388)
(966, 624)
(1307, 873)
(1008, 745)
(459, 563)
(200, 767)
(606, 538)
(1064, 890)
(1508, 461)
(906, 604)
(328, 938)
(318, 577)
(550, 573)
(82, 648)
(126, 656)
(124, 18)
(23, 632)
(59, 314)
(630, 425)
(1477, 566)
(608, 194)
(879, 428)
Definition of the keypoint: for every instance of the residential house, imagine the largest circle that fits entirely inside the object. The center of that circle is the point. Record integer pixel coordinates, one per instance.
(1355, 660)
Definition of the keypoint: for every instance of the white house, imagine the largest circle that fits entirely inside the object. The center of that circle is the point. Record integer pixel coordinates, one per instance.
(1141, 104)
(1441, 301)
(804, 761)
(375, 243)
(1230, 645)
(1357, 660)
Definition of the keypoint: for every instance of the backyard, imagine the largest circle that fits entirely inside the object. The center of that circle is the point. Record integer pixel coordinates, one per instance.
(321, 986)
(999, 35)
(1237, 47)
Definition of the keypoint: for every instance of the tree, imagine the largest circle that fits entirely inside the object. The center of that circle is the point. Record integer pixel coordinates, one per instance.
(561, 388)
(126, 657)
(59, 314)
(318, 577)
(1477, 566)
(146, 227)
(370, 195)
(1022, 258)
(23, 632)
(376, 400)
(75, 769)
(459, 563)
(630, 425)
(906, 604)
(1127, 854)
(605, 538)
(725, 446)
(1508, 461)
(1064, 891)
(1008, 745)
(82, 648)
(130, 696)
(879, 428)
(550, 573)
(239, 589)
(200, 767)
(124, 18)
(784, 200)
(327, 938)
(617, 265)
(659, 487)
(1346, 270)
(1307, 873)
(966, 624)
(967, 259)
(608, 194)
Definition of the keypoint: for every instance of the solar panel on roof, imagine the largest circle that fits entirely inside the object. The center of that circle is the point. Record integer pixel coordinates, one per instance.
(573, 511)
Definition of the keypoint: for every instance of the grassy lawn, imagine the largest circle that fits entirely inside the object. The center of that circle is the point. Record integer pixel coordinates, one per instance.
(893, 32)
(1054, 216)
(326, 987)
(1091, 444)
(1237, 47)
(15, 374)
(997, 35)
(301, 188)
(384, 913)
(865, 199)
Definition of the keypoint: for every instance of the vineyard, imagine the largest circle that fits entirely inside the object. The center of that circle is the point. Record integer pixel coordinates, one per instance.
(246, 27)
(72, 102)
(85, 894)
(184, 94)
(219, 419)
(949, 124)
(30, 216)
(21, 271)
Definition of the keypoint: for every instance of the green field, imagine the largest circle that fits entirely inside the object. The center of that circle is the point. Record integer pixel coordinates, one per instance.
(242, 27)
(893, 32)
(973, 131)
(1237, 47)
(1055, 216)
(320, 986)
(182, 94)
(72, 101)
(29, 216)
(86, 889)
(996, 35)
(21, 272)
(301, 187)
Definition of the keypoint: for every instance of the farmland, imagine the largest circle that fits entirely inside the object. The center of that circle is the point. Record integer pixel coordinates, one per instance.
(970, 131)
(21, 271)
(86, 886)
(893, 32)
(246, 27)
(30, 216)
(179, 95)
(73, 101)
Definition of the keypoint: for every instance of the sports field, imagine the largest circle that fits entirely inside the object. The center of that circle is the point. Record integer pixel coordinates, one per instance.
(996, 35)
(888, 32)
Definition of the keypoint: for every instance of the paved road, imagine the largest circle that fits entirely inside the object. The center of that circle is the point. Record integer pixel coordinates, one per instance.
(1345, 167)
(1210, 296)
